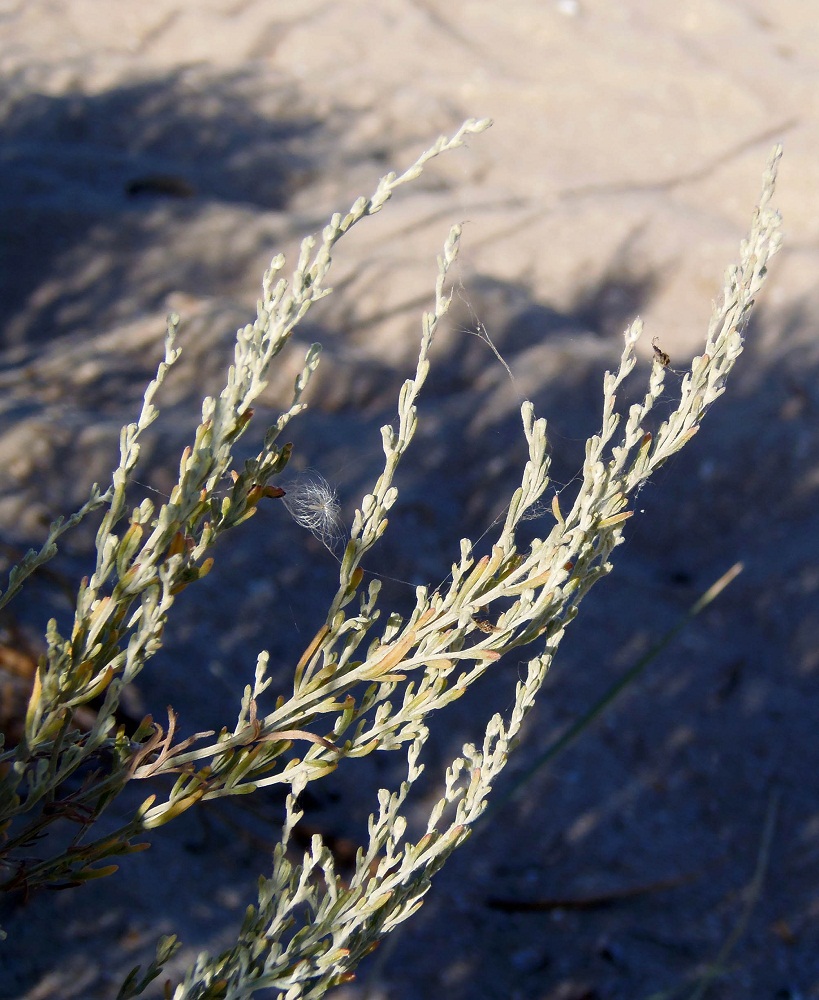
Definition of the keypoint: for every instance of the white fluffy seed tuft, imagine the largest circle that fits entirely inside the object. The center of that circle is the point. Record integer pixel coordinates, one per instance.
(312, 502)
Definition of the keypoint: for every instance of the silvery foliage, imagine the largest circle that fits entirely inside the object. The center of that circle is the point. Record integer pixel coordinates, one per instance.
(355, 689)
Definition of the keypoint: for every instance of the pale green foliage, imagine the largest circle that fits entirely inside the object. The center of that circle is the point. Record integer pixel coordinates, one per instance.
(354, 690)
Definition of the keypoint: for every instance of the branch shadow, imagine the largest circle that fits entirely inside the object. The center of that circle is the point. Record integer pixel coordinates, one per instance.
(87, 179)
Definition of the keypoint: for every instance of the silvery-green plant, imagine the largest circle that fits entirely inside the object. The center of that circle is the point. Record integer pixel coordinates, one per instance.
(366, 681)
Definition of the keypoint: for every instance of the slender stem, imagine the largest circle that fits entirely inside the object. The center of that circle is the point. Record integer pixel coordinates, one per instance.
(609, 696)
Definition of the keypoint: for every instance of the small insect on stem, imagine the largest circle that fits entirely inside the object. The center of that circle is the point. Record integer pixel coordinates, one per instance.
(659, 354)
(485, 626)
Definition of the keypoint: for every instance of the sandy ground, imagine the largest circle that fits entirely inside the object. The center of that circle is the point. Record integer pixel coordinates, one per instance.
(154, 157)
